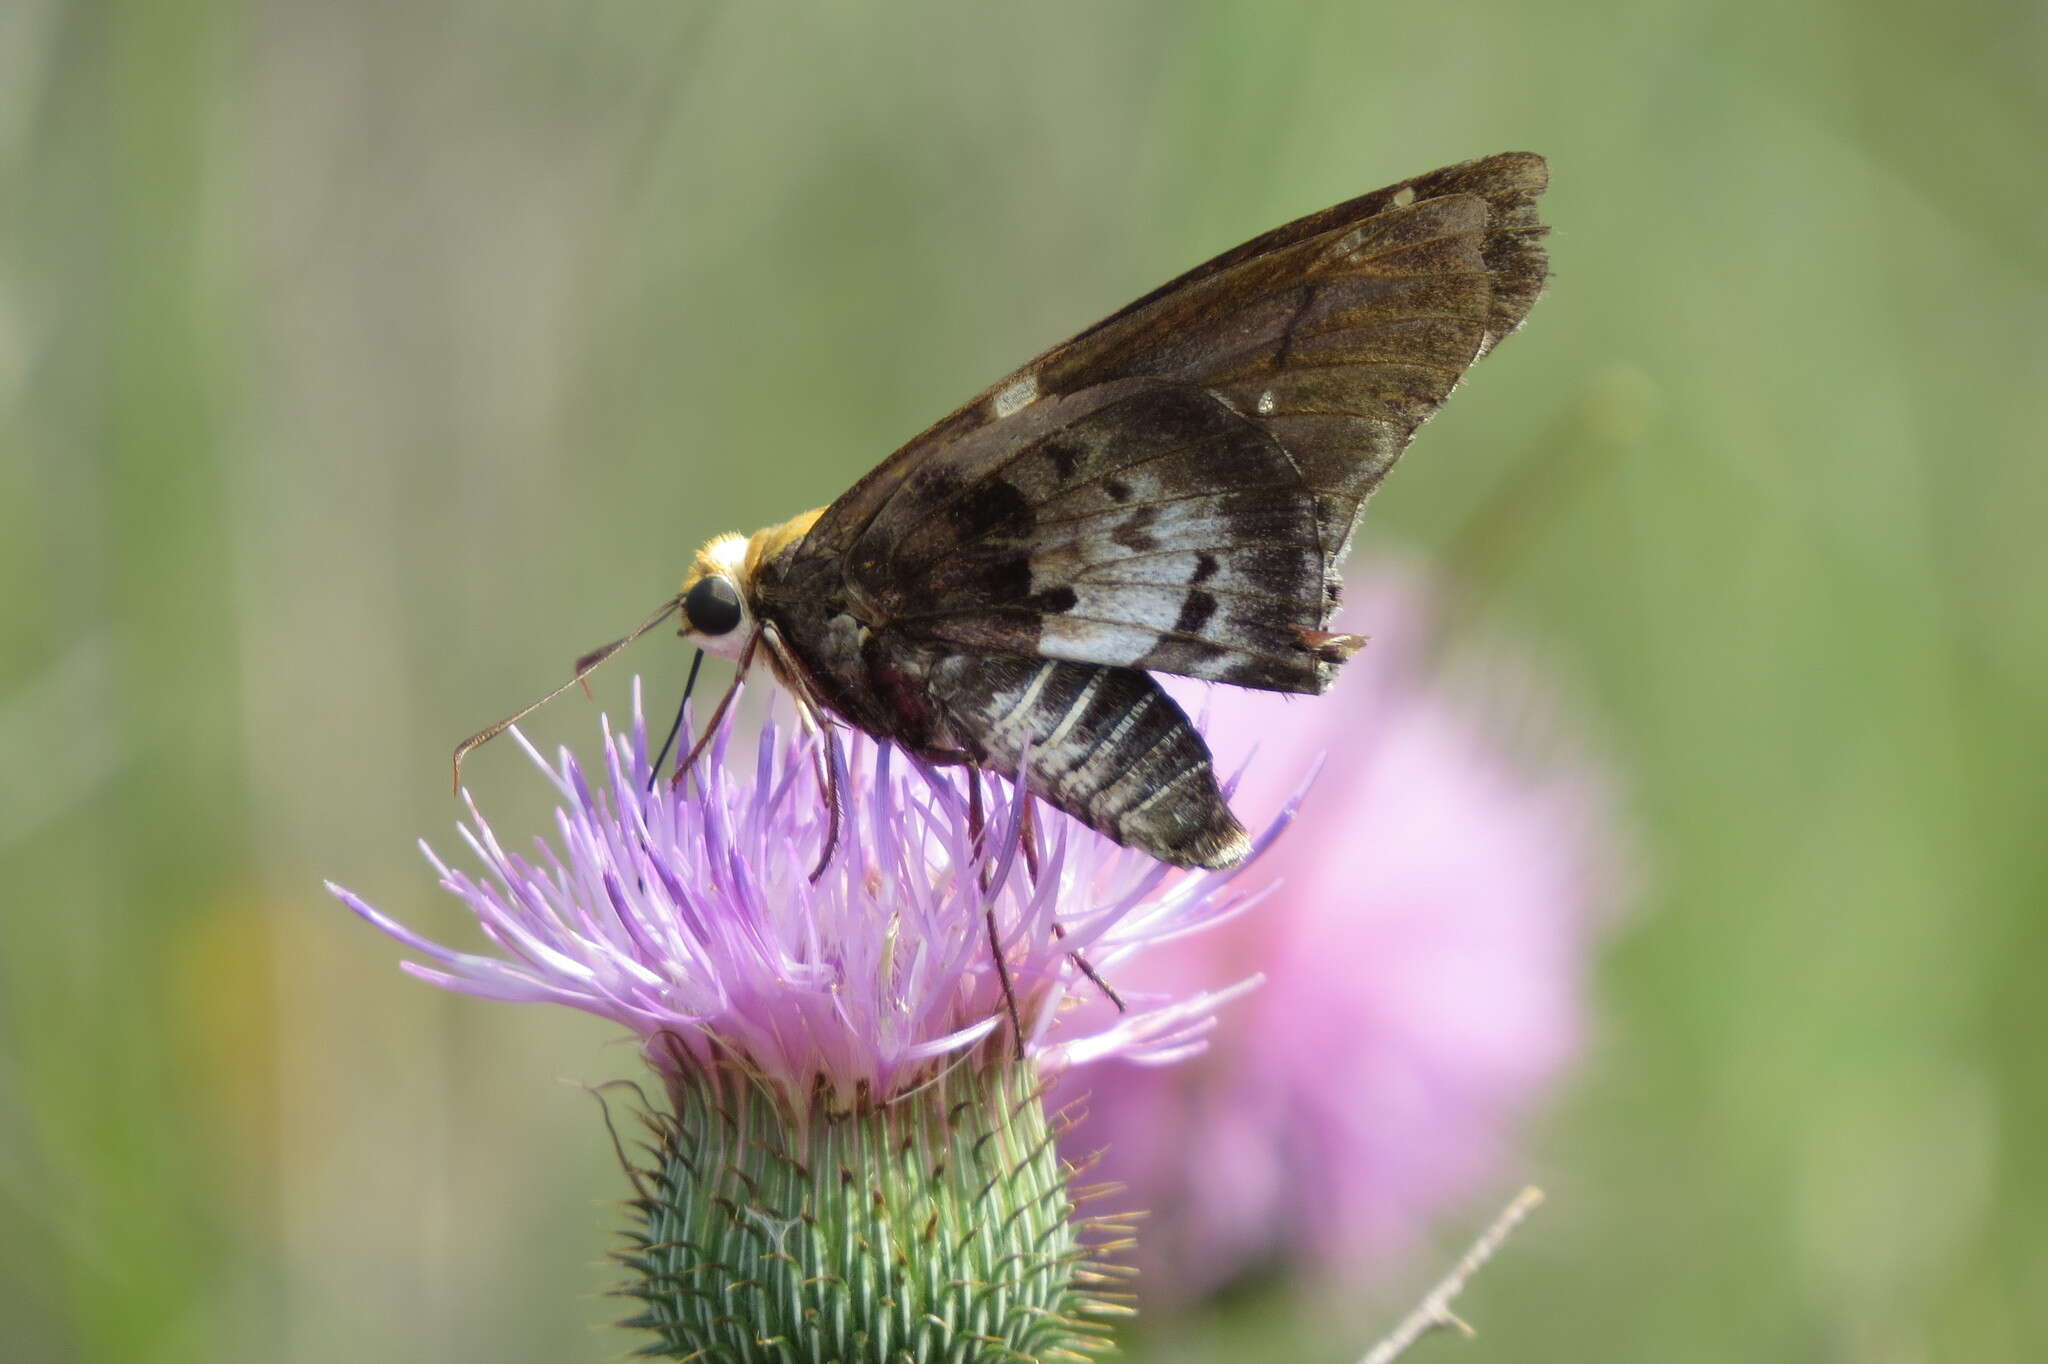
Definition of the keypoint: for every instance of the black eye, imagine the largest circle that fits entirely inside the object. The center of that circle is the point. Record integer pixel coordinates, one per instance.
(713, 606)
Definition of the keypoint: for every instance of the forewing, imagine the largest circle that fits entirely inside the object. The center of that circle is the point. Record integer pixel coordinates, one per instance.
(1245, 411)
(1141, 521)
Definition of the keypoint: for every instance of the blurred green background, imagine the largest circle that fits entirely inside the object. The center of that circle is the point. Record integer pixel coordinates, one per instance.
(360, 365)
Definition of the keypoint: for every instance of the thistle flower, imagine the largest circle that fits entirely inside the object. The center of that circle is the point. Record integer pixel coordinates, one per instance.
(1425, 951)
(855, 1161)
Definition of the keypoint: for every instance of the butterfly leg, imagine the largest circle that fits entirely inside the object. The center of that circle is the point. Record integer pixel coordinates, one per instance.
(975, 817)
(1088, 970)
(834, 800)
(830, 764)
(811, 714)
(1027, 843)
(739, 677)
(976, 825)
(1027, 833)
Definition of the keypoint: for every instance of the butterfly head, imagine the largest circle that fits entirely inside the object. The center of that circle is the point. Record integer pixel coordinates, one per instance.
(715, 614)
(717, 597)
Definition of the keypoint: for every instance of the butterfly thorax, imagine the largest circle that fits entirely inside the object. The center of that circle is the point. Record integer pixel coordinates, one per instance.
(856, 665)
(773, 542)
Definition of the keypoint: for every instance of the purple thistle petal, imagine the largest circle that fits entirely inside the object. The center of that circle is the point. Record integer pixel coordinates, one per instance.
(686, 914)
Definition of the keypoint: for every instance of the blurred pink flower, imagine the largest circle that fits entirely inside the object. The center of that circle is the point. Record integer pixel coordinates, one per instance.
(1425, 952)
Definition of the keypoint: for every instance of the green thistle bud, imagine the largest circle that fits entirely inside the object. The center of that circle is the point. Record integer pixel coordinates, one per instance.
(855, 1162)
(937, 1226)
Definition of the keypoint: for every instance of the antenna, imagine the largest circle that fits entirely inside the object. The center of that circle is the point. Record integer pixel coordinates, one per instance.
(584, 667)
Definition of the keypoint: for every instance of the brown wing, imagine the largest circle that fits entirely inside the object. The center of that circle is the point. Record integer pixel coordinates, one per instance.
(1173, 488)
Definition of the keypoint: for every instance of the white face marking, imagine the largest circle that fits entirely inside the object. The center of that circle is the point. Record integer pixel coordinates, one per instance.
(1266, 403)
(1404, 196)
(1019, 392)
(728, 555)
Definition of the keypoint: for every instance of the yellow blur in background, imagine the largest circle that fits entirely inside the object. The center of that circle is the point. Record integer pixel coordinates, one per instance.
(361, 365)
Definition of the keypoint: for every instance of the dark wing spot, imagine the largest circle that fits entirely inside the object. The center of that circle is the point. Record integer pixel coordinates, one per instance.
(1308, 296)
(1260, 673)
(1261, 516)
(1177, 655)
(936, 481)
(1065, 457)
(1205, 568)
(1133, 532)
(1054, 599)
(992, 505)
(1118, 490)
(1006, 579)
(1195, 612)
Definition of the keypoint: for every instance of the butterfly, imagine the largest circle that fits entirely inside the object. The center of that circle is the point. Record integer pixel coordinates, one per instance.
(1171, 491)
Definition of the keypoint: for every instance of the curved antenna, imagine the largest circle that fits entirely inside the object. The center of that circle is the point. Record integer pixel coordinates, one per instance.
(584, 667)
